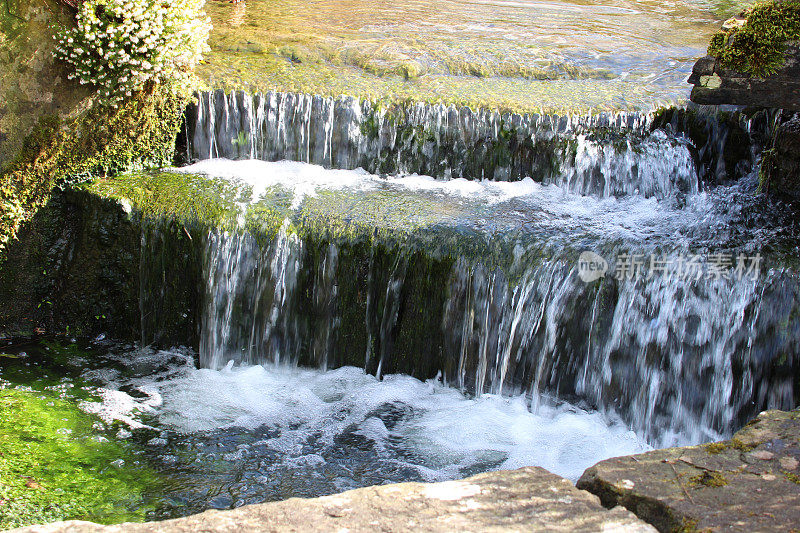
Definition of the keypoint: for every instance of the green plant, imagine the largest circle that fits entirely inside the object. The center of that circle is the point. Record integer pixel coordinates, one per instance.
(120, 45)
(758, 47)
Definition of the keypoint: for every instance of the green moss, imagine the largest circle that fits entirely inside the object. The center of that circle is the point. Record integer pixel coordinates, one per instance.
(688, 525)
(716, 447)
(737, 444)
(54, 466)
(758, 47)
(794, 478)
(188, 198)
(101, 141)
(708, 479)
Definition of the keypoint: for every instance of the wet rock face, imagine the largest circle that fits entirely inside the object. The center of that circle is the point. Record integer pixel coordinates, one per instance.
(749, 483)
(716, 85)
(76, 269)
(782, 167)
(529, 499)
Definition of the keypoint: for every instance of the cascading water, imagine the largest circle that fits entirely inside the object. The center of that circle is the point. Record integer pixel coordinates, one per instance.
(478, 281)
(358, 327)
(590, 154)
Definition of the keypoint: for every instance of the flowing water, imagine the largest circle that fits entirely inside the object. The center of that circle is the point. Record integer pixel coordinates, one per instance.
(560, 54)
(425, 292)
(223, 438)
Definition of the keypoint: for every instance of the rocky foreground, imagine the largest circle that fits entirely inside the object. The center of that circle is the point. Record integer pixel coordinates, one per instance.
(749, 483)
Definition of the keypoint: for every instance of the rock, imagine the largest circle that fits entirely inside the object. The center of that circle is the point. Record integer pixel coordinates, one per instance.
(716, 85)
(734, 23)
(744, 484)
(529, 499)
(782, 162)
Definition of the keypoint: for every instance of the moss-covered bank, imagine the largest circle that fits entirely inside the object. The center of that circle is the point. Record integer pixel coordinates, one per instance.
(55, 466)
(53, 132)
(57, 461)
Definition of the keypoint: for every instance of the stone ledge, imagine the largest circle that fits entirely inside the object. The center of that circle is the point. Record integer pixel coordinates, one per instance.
(715, 85)
(528, 499)
(749, 483)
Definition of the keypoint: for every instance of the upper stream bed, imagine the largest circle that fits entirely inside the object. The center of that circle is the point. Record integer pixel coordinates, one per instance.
(520, 55)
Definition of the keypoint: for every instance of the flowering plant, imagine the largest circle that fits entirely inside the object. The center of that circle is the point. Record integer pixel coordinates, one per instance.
(120, 45)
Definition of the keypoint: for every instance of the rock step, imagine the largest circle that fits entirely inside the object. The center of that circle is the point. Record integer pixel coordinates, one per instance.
(749, 483)
(715, 85)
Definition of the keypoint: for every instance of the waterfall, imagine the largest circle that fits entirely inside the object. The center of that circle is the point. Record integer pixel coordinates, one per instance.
(681, 360)
(487, 296)
(601, 154)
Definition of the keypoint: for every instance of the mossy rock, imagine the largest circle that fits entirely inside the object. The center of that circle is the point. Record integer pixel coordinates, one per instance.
(756, 43)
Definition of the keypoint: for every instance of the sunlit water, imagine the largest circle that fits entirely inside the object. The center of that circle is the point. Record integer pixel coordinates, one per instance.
(648, 46)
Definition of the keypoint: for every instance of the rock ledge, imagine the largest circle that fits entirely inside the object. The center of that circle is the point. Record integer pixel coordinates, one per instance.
(529, 499)
(749, 483)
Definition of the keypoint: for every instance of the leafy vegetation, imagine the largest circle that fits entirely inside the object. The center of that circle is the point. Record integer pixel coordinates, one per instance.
(119, 46)
(758, 47)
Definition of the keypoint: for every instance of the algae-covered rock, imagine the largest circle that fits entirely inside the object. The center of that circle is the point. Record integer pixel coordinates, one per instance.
(90, 262)
(749, 483)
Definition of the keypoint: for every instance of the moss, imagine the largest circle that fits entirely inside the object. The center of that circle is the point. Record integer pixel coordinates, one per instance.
(716, 447)
(688, 525)
(737, 444)
(54, 466)
(188, 198)
(708, 478)
(758, 47)
(140, 133)
(794, 478)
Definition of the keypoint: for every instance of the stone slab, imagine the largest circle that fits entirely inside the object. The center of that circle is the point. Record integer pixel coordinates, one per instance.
(749, 483)
(529, 499)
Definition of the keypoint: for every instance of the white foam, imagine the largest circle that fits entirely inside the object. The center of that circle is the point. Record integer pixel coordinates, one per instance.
(445, 431)
(305, 179)
(543, 206)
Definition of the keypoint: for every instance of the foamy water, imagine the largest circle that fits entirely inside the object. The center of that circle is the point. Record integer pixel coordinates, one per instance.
(504, 205)
(302, 417)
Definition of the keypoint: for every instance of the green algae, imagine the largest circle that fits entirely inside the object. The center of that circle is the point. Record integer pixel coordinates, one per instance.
(758, 47)
(286, 46)
(54, 465)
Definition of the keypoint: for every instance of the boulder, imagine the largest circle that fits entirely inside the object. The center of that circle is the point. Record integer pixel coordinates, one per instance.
(749, 483)
(529, 499)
